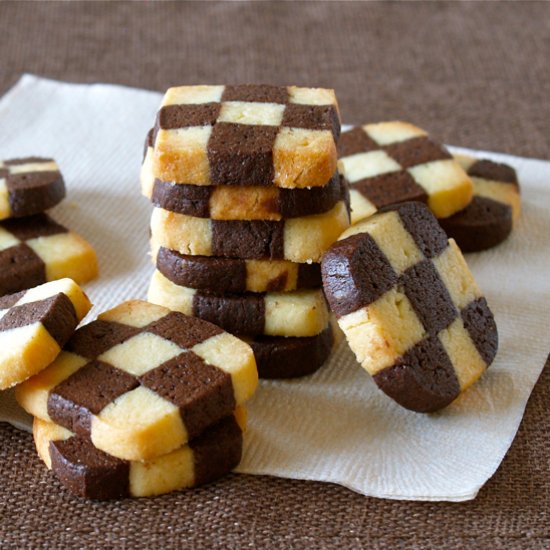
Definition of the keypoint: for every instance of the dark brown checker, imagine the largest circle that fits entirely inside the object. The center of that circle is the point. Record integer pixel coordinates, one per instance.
(279, 357)
(229, 274)
(32, 191)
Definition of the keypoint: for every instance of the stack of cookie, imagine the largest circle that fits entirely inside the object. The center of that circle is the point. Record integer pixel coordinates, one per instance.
(142, 401)
(34, 248)
(247, 199)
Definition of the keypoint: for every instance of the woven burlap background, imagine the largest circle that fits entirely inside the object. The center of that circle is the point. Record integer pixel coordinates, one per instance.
(475, 74)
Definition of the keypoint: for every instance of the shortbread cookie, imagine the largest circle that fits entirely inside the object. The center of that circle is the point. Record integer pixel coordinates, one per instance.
(409, 307)
(393, 162)
(142, 380)
(34, 325)
(247, 135)
(91, 473)
(29, 186)
(298, 313)
(280, 357)
(234, 275)
(297, 239)
(36, 249)
(490, 217)
(226, 202)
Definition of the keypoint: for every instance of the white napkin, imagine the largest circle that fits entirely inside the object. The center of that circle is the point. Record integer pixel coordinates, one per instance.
(336, 425)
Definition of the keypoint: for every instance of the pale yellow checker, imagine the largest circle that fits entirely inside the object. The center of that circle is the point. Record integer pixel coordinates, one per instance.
(312, 96)
(234, 357)
(298, 313)
(247, 112)
(141, 353)
(33, 394)
(385, 133)
(303, 158)
(182, 151)
(453, 270)
(383, 331)
(361, 207)
(49, 166)
(467, 362)
(448, 186)
(506, 193)
(4, 200)
(260, 272)
(391, 237)
(192, 95)
(7, 240)
(135, 313)
(185, 234)
(368, 165)
(44, 432)
(253, 203)
(306, 239)
(138, 425)
(164, 292)
(66, 255)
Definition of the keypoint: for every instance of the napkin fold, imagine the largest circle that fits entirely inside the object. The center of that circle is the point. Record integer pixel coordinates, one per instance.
(334, 426)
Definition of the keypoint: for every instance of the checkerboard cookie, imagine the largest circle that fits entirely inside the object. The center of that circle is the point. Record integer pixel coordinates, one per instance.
(142, 380)
(91, 473)
(36, 249)
(29, 186)
(297, 239)
(298, 313)
(246, 135)
(394, 162)
(280, 357)
(34, 325)
(409, 307)
(234, 275)
(495, 208)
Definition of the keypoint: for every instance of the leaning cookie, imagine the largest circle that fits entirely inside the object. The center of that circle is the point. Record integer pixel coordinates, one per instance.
(142, 380)
(29, 186)
(88, 472)
(34, 325)
(297, 240)
(409, 307)
(297, 314)
(490, 217)
(234, 275)
(36, 249)
(393, 162)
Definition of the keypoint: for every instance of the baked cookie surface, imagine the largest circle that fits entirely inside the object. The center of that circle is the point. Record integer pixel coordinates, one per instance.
(36, 249)
(142, 380)
(489, 219)
(29, 186)
(246, 135)
(297, 240)
(34, 325)
(88, 472)
(298, 313)
(234, 275)
(409, 307)
(393, 162)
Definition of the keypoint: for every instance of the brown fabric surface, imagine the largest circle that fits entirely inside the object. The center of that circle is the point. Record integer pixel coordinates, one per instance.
(474, 74)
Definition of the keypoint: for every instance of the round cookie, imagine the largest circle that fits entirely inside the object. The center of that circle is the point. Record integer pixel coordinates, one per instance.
(300, 240)
(36, 249)
(298, 314)
(489, 219)
(34, 325)
(142, 380)
(392, 162)
(234, 275)
(29, 186)
(279, 357)
(91, 473)
(409, 307)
